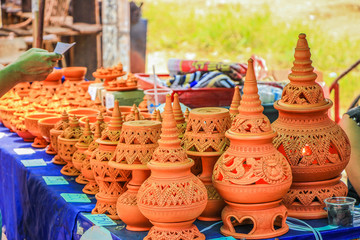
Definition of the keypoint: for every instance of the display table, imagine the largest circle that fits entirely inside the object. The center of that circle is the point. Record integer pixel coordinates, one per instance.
(32, 209)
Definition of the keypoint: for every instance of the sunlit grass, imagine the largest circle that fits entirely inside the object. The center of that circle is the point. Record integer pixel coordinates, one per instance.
(227, 32)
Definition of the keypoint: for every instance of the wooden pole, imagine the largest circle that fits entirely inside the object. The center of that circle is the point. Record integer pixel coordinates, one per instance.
(40, 32)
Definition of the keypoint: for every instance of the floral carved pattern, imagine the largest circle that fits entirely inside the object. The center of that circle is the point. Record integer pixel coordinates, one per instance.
(302, 95)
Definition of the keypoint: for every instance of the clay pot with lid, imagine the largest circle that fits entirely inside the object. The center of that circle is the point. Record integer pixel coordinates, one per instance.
(91, 187)
(45, 125)
(137, 143)
(172, 197)
(251, 175)
(112, 182)
(79, 156)
(66, 146)
(55, 132)
(315, 146)
(32, 125)
(205, 138)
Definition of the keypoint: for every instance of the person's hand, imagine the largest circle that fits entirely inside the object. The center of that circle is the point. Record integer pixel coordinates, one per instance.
(35, 65)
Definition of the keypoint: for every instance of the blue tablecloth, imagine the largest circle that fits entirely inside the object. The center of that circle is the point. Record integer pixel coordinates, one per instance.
(36, 211)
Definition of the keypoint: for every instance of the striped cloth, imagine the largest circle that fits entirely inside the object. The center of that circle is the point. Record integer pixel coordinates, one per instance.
(201, 80)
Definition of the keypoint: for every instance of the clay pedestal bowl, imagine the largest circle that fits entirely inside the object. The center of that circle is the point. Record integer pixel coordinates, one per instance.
(31, 123)
(83, 112)
(92, 120)
(45, 125)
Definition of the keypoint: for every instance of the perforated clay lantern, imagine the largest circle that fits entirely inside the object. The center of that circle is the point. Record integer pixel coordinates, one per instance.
(205, 138)
(315, 146)
(172, 197)
(252, 176)
(112, 182)
(135, 149)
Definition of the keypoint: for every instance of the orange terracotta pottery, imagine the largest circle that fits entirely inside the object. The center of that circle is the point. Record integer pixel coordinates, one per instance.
(75, 75)
(235, 103)
(109, 74)
(93, 119)
(179, 117)
(79, 156)
(66, 146)
(315, 146)
(83, 112)
(55, 132)
(251, 175)
(112, 182)
(172, 197)
(45, 125)
(135, 149)
(32, 125)
(205, 138)
(91, 187)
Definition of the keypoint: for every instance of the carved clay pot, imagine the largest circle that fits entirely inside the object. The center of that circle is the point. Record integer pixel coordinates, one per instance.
(93, 119)
(305, 200)
(137, 143)
(112, 182)
(205, 137)
(303, 120)
(66, 146)
(79, 156)
(251, 175)
(45, 125)
(32, 125)
(83, 112)
(172, 197)
(91, 187)
(315, 146)
(55, 132)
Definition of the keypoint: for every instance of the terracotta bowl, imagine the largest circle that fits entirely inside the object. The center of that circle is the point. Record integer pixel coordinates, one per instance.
(82, 112)
(45, 125)
(55, 75)
(25, 135)
(74, 72)
(31, 122)
(92, 120)
(125, 110)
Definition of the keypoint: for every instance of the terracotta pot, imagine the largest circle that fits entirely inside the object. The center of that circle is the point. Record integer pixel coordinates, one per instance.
(79, 156)
(92, 120)
(172, 197)
(66, 146)
(112, 182)
(251, 175)
(25, 135)
(91, 187)
(137, 143)
(32, 125)
(205, 137)
(45, 125)
(54, 76)
(74, 72)
(305, 200)
(83, 112)
(125, 110)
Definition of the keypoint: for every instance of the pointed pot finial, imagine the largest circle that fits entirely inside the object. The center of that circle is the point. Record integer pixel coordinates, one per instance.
(100, 118)
(186, 114)
(250, 103)
(97, 133)
(87, 131)
(116, 119)
(64, 116)
(158, 116)
(97, 101)
(153, 115)
(235, 103)
(178, 114)
(302, 89)
(169, 149)
(74, 122)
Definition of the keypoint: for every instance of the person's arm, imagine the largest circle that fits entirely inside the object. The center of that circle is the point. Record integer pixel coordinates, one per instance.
(353, 168)
(33, 65)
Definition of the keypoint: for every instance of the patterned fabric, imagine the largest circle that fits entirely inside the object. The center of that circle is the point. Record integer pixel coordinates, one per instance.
(201, 80)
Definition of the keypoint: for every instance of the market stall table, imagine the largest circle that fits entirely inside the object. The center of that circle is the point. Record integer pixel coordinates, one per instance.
(32, 209)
